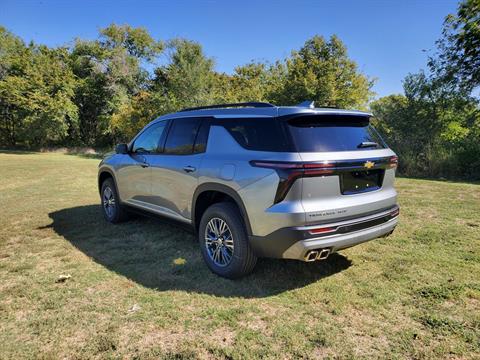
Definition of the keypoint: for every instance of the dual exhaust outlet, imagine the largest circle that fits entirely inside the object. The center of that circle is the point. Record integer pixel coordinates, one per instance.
(320, 254)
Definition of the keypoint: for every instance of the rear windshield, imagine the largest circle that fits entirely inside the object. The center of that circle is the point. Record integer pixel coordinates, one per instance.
(333, 133)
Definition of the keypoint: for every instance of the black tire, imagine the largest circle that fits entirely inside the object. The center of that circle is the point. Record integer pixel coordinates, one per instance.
(117, 212)
(243, 259)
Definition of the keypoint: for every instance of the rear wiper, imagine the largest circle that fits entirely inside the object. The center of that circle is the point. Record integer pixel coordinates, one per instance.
(367, 144)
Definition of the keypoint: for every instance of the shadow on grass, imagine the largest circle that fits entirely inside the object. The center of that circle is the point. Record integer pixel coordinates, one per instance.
(165, 257)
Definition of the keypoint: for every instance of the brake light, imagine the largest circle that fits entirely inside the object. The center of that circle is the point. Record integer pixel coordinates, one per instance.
(393, 162)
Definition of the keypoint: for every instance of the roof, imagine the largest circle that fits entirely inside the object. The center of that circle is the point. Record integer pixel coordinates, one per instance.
(264, 110)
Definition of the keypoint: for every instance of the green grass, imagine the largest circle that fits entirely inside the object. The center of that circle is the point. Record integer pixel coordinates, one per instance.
(415, 294)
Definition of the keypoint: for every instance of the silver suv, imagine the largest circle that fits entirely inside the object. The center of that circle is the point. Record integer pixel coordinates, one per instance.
(258, 180)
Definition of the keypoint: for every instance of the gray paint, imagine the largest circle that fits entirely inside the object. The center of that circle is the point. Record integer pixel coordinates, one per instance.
(165, 188)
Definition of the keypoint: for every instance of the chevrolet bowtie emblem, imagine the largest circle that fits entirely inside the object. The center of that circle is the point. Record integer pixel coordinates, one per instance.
(369, 165)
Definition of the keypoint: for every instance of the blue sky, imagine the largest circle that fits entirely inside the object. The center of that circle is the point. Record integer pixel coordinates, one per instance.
(388, 39)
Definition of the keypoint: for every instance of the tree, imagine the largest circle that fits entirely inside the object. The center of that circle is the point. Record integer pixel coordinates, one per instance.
(48, 98)
(36, 87)
(321, 71)
(188, 79)
(434, 130)
(14, 57)
(133, 115)
(257, 82)
(459, 57)
(110, 73)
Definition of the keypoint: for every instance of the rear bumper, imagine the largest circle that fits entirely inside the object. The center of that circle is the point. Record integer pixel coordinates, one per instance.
(296, 242)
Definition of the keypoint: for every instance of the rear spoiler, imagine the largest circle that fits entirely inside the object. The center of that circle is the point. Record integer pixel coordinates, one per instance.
(338, 118)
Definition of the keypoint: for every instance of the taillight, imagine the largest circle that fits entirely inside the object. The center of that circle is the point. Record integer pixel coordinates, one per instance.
(393, 162)
(288, 172)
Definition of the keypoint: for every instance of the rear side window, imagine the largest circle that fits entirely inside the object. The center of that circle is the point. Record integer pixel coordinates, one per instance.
(259, 134)
(181, 136)
(202, 137)
(325, 133)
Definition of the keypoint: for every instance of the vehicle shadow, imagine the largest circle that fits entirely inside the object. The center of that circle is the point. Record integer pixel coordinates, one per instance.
(165, 257)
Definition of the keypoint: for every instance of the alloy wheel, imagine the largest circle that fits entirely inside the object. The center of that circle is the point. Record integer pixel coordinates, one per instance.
(219, 242)
(108, 202)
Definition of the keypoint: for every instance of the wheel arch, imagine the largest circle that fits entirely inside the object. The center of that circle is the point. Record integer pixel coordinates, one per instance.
(104, 174)
(221, 189)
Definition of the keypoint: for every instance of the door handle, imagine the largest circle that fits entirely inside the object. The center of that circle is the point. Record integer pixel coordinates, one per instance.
(142, 161)
(189, 169)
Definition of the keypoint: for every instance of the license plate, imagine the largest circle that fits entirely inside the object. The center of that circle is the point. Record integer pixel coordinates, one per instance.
(361, 181)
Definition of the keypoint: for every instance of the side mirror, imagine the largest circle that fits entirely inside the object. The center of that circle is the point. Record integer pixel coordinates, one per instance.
(121, 149)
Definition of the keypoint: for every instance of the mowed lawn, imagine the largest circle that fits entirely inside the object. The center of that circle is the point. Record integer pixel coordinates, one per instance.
(141, 290)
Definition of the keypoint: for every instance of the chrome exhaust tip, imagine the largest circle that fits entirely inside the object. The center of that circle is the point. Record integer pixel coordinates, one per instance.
(311, 255)
(323, 254)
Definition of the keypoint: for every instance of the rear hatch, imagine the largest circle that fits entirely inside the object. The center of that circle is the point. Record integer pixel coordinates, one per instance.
(348, 170)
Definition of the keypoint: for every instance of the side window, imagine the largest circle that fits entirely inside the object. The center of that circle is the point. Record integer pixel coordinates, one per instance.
(148, 141)
(258, 134)
(181, 136)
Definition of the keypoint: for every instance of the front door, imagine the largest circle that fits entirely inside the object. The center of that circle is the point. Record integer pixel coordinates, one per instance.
(134, 176)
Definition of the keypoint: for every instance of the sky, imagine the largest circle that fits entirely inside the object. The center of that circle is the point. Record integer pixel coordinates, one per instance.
(387, 39)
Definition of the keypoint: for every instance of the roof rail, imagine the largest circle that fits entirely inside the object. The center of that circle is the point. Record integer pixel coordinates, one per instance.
(220, 106)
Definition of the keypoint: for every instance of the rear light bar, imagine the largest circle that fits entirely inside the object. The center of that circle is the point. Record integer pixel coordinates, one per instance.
(321, 167)
(289, 171)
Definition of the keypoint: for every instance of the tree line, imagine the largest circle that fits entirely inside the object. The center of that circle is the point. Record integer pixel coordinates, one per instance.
(435, 125)
(96, 92)
(100, 92)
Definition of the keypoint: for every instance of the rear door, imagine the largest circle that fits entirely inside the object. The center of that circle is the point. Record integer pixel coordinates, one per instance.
(175, 171)
(356, 167)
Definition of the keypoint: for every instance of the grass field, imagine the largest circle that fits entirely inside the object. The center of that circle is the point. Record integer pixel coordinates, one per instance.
(140, 289)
